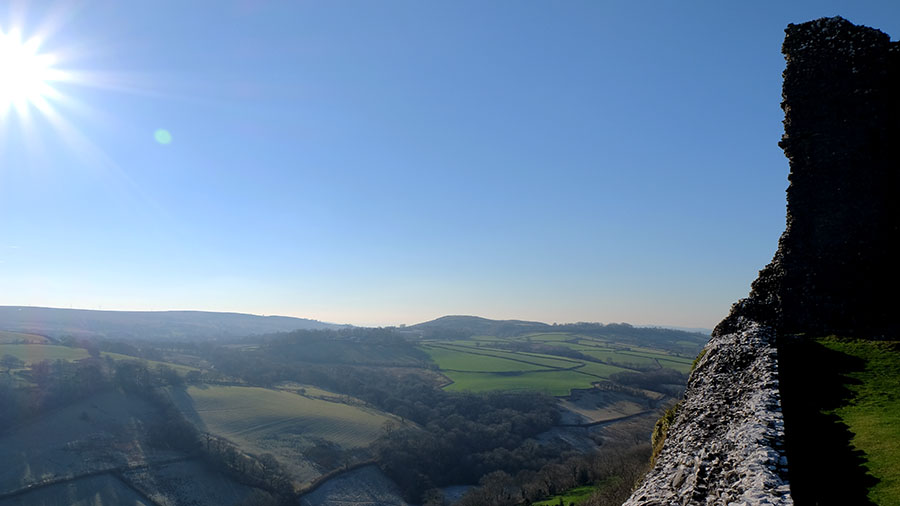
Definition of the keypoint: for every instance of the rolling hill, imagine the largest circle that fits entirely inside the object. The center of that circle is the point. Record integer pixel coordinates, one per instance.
(146, 325)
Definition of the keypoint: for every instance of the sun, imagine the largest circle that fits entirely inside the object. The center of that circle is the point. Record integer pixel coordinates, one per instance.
(25, 73)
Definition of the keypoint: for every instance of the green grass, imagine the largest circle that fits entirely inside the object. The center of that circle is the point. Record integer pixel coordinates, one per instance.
(575, 495)
(152, 364)
(465, 353)
(679, 364)
(553, 383)
(31, 353)
(481, 363)
(464, 361)
(600, 370)
(551, 337)
(873, 414)
(261, 420)
(19, 337)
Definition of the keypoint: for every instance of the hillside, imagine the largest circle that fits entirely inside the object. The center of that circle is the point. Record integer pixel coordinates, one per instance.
(146, 325)
(100, 451)
(309, 431)
(456, 327)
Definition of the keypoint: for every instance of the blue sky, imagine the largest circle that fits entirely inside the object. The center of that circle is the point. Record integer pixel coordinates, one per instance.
(391, 162)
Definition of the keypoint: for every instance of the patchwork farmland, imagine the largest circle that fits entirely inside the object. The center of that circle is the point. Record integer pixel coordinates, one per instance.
(554, 363)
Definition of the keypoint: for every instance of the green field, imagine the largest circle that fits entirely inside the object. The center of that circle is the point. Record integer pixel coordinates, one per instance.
(486, 359)
(538, 362)
(460, 360)
(873, 413)
(31, 353)
(286, 424)
(553, 382)
(576, 496)
(679, 364)
(19, 337)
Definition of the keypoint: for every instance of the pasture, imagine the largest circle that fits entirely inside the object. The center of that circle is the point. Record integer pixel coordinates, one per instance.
(303, 433)
(873, 412)
(573, 496)
(7, 337)
(31, 353)
(553, 362)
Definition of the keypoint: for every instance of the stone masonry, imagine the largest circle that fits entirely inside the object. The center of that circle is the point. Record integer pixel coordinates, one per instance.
(837, 264)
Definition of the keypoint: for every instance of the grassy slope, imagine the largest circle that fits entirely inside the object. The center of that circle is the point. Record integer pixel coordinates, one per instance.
(553, 383)
(31, 353)
(19, 337)
(458, 360)
(285, 424)
(479, 365)
(873, 412)
(575, 495)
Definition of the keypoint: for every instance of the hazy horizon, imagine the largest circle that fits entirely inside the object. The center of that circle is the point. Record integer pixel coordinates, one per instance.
(379, 164)
(364, 324)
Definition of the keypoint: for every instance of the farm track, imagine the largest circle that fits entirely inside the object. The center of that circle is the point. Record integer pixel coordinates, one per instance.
(115, 472)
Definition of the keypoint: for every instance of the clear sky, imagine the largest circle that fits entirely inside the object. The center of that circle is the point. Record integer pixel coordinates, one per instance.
(390, 162)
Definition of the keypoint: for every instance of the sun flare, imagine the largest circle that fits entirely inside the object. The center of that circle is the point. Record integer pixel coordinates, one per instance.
(26, 74)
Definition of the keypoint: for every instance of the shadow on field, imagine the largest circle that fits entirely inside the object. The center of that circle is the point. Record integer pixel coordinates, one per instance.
(823, 467)
(186, 405)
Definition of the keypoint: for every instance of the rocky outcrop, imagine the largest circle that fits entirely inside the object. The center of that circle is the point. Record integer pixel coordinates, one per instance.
(837, 261)
(724, 446)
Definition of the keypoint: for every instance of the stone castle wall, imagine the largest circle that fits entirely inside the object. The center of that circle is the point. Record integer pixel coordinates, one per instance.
(837, 265)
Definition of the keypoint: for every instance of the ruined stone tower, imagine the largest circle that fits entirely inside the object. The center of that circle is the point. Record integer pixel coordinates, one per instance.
(836, 270)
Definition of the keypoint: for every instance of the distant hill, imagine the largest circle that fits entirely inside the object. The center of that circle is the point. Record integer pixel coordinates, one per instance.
(465, 326)
(147, 325)
(461, 327)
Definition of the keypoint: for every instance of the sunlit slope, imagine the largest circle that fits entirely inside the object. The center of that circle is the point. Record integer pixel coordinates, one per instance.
(873, 411)
(33, 353)
(300, 431)
(552, 362)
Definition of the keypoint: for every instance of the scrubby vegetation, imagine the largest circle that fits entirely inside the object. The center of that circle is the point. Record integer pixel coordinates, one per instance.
(661, 430)
(609, 475)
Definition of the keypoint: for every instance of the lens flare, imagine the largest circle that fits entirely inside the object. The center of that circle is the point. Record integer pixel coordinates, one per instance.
(162, 136)
(25, 73)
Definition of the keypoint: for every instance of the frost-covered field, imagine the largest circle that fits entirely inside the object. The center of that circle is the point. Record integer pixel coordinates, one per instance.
(103, 432)
(365, 486)
(307, 435)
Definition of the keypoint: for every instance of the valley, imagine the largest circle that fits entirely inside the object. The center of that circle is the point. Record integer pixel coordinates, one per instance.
(405, 415)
